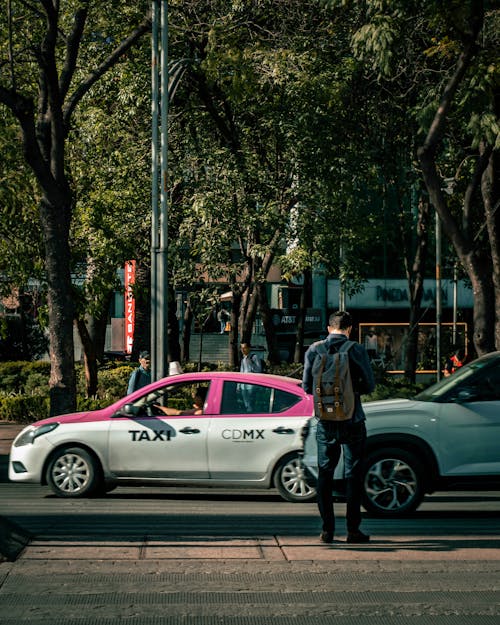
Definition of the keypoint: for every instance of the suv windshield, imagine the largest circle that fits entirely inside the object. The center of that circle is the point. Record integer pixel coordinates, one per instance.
(439, 389)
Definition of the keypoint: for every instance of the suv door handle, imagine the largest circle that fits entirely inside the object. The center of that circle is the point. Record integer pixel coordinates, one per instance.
(188, 430)
(283, 430)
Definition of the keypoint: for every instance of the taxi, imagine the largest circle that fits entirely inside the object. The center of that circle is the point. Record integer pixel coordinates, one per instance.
(246, 433)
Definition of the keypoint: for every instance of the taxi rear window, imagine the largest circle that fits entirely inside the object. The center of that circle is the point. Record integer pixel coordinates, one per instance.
(239, 398)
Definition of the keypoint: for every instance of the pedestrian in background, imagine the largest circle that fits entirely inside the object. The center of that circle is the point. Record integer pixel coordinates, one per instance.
(142, 375)
(250, 363)
(223, 317)
(336, 436)
(454, 362)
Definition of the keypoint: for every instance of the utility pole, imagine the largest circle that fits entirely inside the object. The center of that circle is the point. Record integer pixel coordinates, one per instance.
(439, 304)
(159, 194)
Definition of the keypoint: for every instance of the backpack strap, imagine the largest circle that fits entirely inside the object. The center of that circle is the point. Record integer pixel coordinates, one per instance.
(345, 347)
(321, 349)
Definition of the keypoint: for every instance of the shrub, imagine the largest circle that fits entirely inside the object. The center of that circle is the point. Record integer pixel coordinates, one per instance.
(24, 408)
(113, 383)
(14, 375)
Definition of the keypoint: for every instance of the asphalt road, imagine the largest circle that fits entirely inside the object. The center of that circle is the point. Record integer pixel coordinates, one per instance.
(147, 556)
(199, 556)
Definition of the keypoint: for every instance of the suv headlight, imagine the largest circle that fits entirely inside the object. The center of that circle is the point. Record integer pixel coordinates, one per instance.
(30, 434)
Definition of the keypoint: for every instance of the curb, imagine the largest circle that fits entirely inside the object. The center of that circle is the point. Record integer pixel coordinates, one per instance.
(13, 540)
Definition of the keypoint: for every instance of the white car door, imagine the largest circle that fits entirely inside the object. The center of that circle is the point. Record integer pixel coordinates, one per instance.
(250, 434)
(158, 446)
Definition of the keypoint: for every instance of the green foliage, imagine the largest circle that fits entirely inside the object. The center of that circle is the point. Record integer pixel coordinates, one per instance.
(24, 389)
(23, 408)
(24, 377)
(394, 388)
(112, 382)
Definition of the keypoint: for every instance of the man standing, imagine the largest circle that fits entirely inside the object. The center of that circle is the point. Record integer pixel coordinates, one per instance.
(250, 363)
(142, 375)
(348, 436)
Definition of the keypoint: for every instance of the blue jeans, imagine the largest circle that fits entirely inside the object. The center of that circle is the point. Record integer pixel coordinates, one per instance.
(332, 437)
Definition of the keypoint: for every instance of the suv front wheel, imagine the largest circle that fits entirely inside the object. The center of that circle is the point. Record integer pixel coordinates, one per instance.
(393, 482)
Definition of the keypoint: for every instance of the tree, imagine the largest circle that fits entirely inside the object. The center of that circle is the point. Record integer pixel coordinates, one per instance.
(482, 264)
(446, 54)
(54, 58)
(258, 123)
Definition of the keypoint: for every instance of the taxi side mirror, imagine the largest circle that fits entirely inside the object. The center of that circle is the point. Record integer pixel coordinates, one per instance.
(129, 410)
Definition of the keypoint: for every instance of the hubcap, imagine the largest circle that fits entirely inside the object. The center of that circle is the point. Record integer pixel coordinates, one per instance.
(391, 484)
(294, 480)
(71, 473)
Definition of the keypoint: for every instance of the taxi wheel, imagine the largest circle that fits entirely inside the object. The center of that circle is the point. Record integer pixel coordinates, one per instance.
(290, 479)
(73, 472)
(393, 482)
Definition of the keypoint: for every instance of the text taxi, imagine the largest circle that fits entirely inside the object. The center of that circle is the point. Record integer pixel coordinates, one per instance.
(246, 433)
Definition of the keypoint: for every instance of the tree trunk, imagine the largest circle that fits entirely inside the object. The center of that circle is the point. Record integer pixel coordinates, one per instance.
(234, 348)
(89, 358)
(484, 314)
(97, 325)
(186, 331)
(490, 189)
(267, 322)
(62, 382)
(248, 313)
(298, 356)
(174, 348)
(415, 276)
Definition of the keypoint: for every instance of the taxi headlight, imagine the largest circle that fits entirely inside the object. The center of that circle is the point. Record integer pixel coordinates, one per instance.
(30, 434)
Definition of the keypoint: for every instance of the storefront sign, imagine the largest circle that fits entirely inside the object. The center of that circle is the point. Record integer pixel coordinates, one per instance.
(129, 305)
(286, 320)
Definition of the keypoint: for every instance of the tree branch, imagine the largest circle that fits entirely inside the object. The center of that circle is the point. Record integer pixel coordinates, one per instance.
(23, 109)
(112, 59)
(72, 47)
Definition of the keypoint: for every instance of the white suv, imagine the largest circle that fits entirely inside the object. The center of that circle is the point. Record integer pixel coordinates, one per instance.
(446, 438)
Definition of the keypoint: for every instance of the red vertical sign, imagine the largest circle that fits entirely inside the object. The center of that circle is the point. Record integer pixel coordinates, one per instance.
(129, 305)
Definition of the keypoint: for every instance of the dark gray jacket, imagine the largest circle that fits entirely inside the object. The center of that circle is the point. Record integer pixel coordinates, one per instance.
(139, 378)
(361, 371)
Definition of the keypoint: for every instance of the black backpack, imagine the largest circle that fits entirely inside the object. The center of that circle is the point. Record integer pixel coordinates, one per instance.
(334, 398)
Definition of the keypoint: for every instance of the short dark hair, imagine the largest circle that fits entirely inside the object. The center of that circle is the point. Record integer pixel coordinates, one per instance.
(340, 320)
(144, 354)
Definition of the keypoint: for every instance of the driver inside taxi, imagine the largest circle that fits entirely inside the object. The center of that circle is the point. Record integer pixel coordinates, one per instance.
(199, 396)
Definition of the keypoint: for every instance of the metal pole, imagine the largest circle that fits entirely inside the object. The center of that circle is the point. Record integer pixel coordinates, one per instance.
(341, 279)
(455, 302)
(155, 64)
(438, 297)
(162, 327)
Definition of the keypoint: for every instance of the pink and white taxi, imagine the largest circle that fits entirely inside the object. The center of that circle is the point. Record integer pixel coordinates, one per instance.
(247, 433)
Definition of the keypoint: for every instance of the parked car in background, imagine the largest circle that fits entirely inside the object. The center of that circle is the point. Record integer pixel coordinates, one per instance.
(446, 438)
(256, 442)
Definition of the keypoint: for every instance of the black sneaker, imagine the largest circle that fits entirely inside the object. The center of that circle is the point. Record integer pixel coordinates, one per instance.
(326, 537)
(357, 537)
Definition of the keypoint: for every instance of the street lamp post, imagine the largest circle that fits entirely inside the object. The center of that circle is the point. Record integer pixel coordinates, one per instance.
(439, 304)
(159, 194)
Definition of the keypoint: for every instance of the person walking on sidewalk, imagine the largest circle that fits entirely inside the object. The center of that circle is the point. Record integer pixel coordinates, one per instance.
(335, 436)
